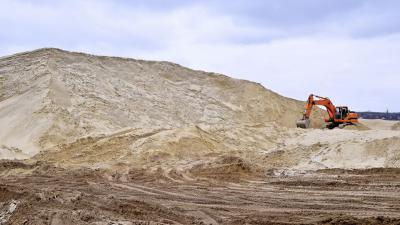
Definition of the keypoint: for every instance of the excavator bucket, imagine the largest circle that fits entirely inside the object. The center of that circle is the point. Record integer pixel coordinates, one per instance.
(303, 123)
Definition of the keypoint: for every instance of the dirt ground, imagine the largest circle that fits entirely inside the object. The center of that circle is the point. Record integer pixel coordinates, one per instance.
(49, 195)
(100, 140)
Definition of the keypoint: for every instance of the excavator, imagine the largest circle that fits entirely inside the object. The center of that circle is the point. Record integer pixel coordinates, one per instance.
(339, 116)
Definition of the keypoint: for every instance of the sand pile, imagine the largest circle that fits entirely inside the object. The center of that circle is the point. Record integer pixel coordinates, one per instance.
(379, 124)
(349, 149)
(50, 96)
(396, 126)
(78, 110)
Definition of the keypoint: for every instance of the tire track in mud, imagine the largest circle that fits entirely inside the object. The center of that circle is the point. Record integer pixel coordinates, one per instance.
(298, 199)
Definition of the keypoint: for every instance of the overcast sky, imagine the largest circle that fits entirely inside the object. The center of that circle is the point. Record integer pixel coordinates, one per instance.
(348, 50)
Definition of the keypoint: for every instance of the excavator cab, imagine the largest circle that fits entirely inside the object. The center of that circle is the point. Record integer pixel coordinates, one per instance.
(341, 112)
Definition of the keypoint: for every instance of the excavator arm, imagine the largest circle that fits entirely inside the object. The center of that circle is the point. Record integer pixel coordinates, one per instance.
(322, 101)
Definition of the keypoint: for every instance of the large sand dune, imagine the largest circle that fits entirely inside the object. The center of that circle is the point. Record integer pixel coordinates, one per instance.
(49, 97)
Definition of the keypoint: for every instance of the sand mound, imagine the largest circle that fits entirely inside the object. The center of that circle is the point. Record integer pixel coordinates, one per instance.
(358, 126)
(396, 126)
(338, 148)
(50, 96)
(378, 124)
(227, 168)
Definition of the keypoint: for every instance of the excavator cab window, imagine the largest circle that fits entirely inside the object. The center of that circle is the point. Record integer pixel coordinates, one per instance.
(341, 112)
(338, 114)
(345, 111)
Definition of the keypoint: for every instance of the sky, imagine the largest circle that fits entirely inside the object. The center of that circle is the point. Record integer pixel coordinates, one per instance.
(348, 50)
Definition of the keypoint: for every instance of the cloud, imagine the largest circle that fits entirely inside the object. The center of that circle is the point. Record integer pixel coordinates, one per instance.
(361, 73)
(346, 51)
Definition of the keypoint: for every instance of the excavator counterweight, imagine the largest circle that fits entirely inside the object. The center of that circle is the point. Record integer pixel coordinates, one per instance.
(338, 116)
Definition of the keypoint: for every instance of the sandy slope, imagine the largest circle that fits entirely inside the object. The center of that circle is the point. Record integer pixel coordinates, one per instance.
(396, 126)
(50, 96)
(379, 124)
(346, 148)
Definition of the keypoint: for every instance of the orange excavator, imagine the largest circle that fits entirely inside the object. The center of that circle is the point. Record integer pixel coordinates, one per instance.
(339, 116)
